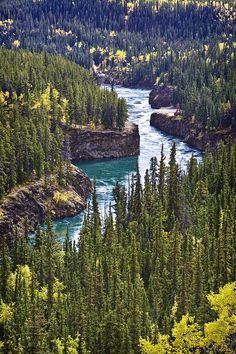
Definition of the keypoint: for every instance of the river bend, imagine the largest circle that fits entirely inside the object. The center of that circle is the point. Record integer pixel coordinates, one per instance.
(107, 172)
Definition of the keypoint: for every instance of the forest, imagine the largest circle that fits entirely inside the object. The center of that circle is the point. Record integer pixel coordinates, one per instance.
(205, 85)
(157, 276)
(86, 31)
(39, 94)
(148, 272)
(142, 42)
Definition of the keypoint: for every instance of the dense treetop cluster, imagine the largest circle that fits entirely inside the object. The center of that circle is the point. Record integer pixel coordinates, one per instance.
(172, 241)
(144, 40)
(205, 82)
(74, 27)
(139, 282)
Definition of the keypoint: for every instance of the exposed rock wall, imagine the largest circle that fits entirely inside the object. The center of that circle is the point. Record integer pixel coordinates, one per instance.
(87, 144)
(191, 133)
(161, 96)
(31, 202)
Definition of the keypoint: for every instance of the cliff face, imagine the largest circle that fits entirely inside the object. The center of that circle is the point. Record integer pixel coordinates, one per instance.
(87, 144)
(161, 96)
(191, 133)
(31, 202)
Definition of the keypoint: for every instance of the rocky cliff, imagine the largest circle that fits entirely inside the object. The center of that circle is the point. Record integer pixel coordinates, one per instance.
(191, 133)
(161, 96)
(31, 202)
(87, 144)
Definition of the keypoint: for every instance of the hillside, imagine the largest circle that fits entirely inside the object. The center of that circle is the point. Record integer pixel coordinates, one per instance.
(40, 93)
(189, 44)
(171, 242)
(153, 271)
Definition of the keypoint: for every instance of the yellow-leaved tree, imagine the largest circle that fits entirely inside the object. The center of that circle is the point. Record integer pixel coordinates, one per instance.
(161, 347)
(70, 345)
(220, 334)
(216, 336)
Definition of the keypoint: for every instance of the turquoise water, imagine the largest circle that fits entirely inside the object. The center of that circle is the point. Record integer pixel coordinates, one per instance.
(107, 172)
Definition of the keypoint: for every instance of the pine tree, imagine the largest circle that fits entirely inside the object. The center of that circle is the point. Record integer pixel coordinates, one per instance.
(173, 207)
(5, 271)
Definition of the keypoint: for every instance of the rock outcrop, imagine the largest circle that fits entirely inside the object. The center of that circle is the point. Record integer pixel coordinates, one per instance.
(161, 96)
(115, 77)
(31, 202)
(191, 133)
(88, 144)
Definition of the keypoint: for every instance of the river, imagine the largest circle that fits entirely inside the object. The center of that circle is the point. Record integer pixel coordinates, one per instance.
(107, 172)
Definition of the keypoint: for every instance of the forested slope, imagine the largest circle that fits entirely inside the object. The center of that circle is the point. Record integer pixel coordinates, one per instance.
(166, 244)
(172, 242)
(189, 44)
(205, 85)
(39, 93)
(86, 30)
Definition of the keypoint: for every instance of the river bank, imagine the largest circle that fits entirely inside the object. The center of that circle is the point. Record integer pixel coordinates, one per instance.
(30, 203)
(110, 171)
(107, 170)
(89, 144)
(192, 133)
